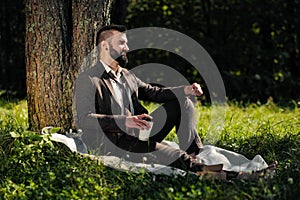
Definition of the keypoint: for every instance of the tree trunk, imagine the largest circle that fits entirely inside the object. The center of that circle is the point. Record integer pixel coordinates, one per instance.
(59, 34)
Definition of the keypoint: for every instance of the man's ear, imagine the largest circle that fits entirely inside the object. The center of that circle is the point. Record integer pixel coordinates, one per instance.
(104, 45)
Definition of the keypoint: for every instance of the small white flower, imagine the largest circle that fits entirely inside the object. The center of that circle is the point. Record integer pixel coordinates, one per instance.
(144, 159)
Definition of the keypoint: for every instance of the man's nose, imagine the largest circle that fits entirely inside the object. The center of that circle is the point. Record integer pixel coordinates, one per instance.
(126, 48)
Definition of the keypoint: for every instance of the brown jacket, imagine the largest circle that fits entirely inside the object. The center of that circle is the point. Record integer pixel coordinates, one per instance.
(95, 103)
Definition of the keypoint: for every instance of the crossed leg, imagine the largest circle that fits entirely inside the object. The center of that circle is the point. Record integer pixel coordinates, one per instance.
(178, 113)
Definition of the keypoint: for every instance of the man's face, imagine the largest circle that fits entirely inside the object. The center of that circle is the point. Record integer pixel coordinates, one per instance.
(118, 48)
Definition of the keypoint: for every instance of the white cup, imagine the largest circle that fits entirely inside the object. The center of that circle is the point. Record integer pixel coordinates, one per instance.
(144, 134)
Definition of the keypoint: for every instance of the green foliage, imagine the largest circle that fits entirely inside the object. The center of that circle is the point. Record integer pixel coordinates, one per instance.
(12, 42)
(255, 44)
(13, 116)
(34, 167)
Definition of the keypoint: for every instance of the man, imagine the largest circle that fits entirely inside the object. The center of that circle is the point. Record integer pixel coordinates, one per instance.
(111, 116)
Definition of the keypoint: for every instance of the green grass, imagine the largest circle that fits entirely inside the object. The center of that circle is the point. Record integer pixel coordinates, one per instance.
(33, 167)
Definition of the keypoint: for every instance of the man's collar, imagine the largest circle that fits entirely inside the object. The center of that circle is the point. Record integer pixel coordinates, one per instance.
(108, 69)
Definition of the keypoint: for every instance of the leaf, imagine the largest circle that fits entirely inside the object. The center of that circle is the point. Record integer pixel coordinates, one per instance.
(55, 129)
(34, 136)
(14, 135)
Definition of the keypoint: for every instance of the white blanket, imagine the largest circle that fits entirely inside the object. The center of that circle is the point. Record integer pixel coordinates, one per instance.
(210, 155)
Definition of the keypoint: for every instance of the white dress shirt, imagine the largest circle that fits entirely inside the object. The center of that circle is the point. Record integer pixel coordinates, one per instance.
(117, 88)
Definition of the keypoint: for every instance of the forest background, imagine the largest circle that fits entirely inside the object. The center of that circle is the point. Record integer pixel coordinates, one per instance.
(255, 44)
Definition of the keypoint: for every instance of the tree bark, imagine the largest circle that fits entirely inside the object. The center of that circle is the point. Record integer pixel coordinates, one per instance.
(59, 34)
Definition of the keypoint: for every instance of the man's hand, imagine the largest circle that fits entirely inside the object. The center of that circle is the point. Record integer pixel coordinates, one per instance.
(138, 122)
(194, 89)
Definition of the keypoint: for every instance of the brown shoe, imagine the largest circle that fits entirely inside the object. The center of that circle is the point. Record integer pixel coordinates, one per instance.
(198, 167)
(213, 168)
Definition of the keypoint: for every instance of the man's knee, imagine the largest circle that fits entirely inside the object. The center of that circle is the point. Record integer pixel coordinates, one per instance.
(184, 102)
(188, 104)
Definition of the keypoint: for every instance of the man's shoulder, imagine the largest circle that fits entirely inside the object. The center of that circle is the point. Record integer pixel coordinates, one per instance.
(93, 71)
(127, 72)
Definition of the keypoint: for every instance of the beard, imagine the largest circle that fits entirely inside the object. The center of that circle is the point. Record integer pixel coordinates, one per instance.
(121, 59)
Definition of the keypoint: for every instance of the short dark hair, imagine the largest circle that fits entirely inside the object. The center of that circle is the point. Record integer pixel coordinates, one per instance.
(106, 32)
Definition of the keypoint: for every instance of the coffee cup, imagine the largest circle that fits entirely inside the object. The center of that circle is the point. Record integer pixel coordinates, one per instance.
(144, 134)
